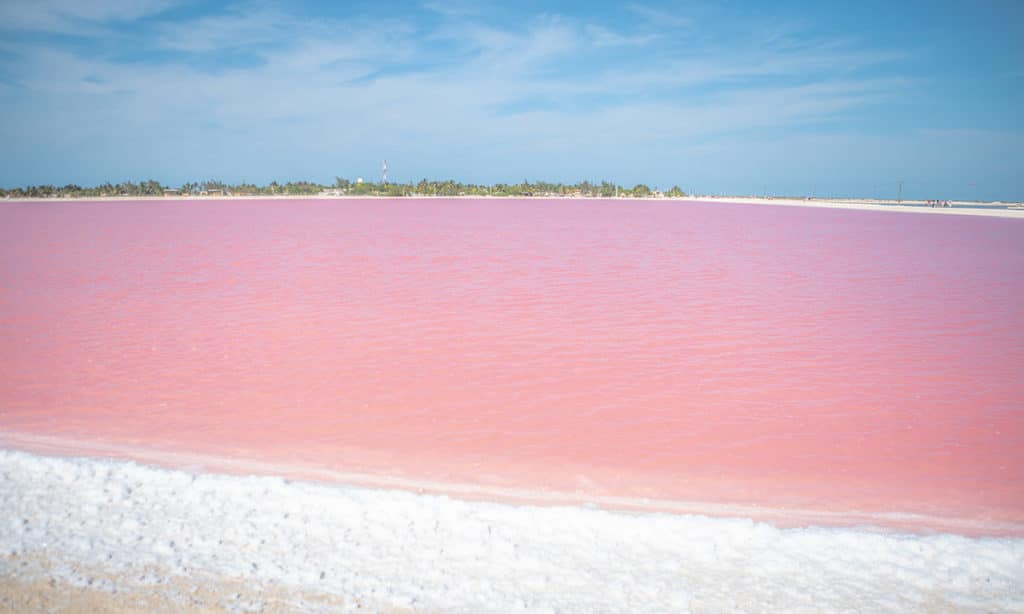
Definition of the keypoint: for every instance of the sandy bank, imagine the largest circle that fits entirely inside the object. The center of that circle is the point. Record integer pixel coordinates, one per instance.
(959, 207)
(50, 582)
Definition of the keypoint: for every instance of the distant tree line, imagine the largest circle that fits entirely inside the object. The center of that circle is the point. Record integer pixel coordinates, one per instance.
(341, 186)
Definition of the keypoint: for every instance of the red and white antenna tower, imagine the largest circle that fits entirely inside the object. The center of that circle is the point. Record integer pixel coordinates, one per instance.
(384, 173)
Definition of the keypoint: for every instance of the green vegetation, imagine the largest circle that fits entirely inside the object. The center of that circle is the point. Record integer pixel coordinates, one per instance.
(340, 187)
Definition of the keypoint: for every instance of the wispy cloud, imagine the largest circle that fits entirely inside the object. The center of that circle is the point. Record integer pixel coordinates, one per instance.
(456, 8)
(241, 27)
(455, 93)
(601, 36)
(70, 16)
(661, 17)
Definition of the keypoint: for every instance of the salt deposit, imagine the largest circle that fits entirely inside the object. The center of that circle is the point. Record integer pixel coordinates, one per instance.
(133, 527)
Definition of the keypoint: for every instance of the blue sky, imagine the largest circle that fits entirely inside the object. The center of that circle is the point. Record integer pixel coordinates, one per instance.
(718, 97)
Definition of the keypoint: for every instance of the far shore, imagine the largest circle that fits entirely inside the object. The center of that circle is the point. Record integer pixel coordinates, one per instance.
(866, 204)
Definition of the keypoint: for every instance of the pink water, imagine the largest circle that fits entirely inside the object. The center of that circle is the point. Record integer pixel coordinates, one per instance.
(775, 356)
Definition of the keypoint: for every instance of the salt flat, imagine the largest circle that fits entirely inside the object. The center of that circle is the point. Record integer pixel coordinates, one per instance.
(227, 542)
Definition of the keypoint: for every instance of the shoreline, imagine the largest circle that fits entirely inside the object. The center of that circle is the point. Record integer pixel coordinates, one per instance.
(132, 537)
(776, 515)
(908, 206)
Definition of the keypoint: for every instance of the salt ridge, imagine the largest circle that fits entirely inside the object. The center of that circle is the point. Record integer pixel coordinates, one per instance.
(394, 549)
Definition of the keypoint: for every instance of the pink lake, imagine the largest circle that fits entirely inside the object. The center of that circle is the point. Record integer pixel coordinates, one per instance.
(779, 357)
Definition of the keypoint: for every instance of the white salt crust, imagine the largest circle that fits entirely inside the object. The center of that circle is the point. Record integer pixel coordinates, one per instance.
(387, 549)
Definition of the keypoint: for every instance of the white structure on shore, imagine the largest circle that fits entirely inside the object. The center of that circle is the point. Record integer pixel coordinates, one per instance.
(384, 173)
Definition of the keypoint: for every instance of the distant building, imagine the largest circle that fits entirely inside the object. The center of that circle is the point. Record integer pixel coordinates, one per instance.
(172, 192)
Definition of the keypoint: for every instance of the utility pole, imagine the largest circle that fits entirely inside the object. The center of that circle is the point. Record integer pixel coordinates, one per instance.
(899, 198)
